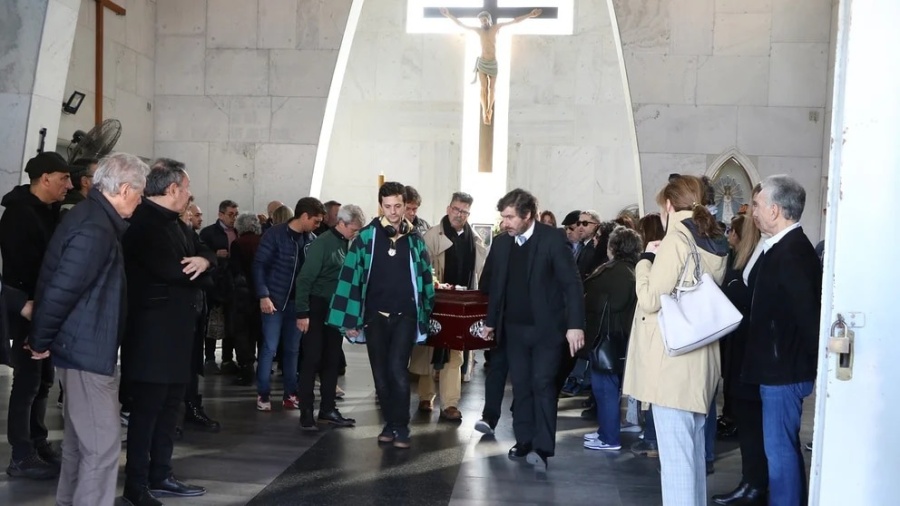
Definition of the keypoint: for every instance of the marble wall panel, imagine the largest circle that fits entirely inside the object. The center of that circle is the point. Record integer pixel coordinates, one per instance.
(274, 32)
(684, 128)
(301, 73)
(81, 65)
(398, 71)
(283, 172)
(237, 72)
(662, 79)
(808, 172)
(195, 156)
(332, 19)
(145, 77)
(743, 6)
(730, 80)
(137, 129)
(655, 170)
(20, 42)
(181, 64)
(55, 51)
(249, 119)
(644, 25)
(297, 120)
(801, 21)
(742, 34)
(798, 73)
(126, 69)
(231, 24)
(691, 25)
(177, 17)
(232, 173)
(190, 119)
(780, 131)
(140, 32)
(12, 137)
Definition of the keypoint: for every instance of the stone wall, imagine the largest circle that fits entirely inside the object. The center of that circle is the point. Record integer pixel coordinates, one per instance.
(129, 50)
(708, 76)
(241, 87)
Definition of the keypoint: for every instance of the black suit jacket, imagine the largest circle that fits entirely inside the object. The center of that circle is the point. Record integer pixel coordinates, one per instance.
(557, 296)
(784, 314)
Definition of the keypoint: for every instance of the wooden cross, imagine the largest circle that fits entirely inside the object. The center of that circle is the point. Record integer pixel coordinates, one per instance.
(102, 5)
(486, 132)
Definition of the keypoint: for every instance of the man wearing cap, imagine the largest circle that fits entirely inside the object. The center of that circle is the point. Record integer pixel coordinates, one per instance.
(29, 219)
(570, 224)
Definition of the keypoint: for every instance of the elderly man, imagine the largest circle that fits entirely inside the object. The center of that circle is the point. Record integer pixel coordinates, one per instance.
(784, 332)
(166, 273)
(79, 321)
(457, 256)
(31, 215)
(322, 343)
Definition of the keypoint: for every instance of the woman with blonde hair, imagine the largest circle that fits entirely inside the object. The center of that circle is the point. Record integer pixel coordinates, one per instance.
(282, 215)
(679, 388)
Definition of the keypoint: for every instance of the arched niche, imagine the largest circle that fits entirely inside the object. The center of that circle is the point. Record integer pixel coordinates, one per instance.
(733, 178)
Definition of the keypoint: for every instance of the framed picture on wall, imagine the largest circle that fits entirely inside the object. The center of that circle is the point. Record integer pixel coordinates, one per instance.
(485, 231)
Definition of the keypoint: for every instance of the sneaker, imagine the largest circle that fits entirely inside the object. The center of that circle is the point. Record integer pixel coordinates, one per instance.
(387, 435)
(629, 428)
(484, 427)
(292, 402)
(592, 436)
(123, 418)
(645, 448)
(49, 454)
(263, 403)
(401, 439)
(32, 467)
(596, 444)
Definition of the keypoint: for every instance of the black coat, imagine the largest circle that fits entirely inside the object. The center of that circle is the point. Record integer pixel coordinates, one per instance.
(79, 311)
(734, 345)
(611, 285)
(25, 230)
(557, 297)
(784, 314)
(162, 301)
(215, 239)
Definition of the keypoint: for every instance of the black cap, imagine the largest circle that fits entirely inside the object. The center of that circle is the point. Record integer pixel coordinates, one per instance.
(571, 218)
(47, 162)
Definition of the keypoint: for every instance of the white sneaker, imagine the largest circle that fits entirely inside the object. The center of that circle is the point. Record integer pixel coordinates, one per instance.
(630, 428)
(600, 445)
(483, 427)
(591, 436)
(123, 418)
(263, 404)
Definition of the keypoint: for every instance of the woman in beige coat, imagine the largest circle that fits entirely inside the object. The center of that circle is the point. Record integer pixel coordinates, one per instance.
(679, 388)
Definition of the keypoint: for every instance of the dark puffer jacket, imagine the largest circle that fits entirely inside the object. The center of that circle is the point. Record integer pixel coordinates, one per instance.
(278, 260)
(79, 311)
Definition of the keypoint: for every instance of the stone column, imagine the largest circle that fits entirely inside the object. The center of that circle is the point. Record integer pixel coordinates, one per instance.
(35, 48)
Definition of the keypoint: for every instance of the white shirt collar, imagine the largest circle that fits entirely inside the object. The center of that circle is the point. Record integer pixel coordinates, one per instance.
(772, 241)
(528, 233)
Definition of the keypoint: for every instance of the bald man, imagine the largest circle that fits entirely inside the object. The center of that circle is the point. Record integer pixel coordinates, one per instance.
(266, 220)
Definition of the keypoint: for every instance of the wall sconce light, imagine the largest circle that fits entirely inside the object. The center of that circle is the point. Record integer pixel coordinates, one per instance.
(71, 106)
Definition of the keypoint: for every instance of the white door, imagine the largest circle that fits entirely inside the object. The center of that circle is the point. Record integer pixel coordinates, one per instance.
(856, 452)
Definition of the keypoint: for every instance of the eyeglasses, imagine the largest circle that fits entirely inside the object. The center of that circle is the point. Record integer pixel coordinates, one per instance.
(461, 212)
(586, 223)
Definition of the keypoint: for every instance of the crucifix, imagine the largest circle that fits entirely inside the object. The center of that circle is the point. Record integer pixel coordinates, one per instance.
(486, 65)
(102, 5)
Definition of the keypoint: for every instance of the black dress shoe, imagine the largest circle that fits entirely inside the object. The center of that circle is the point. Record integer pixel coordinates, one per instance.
(519, 450)
(308, 421)
(335, 418)
(196, 416)
(171, 487)
(140, 497)
(743, 495)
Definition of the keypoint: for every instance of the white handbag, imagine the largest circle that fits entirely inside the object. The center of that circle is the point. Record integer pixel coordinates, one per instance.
(694, 316)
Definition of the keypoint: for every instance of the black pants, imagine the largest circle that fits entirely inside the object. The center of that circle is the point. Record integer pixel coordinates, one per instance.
(151, 432)
(247, 333)
(321, 354)
(748, 417)
(228, 343)
(495, 384)
(566, 365)
(534, 364)
(390, 340)
(32, 380)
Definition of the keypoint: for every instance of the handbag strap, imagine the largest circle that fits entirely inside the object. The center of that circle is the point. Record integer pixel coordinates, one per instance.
(695, 256)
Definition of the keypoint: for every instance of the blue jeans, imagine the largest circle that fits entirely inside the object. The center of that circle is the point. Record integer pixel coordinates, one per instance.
(782, 406)
(606, 396)
(280, 326)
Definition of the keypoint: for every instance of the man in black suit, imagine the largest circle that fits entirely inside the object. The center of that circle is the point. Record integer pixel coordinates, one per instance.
(536, 304)
(782, 350)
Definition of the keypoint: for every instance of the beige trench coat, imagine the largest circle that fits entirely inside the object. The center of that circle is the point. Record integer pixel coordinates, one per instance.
(686, 382)
(437, 244)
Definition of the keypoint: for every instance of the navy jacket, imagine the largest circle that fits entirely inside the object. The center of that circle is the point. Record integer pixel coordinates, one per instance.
(79, 311)
(277, 263)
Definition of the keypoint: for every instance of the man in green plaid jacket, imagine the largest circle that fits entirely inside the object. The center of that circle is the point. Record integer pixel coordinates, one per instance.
(386, 292)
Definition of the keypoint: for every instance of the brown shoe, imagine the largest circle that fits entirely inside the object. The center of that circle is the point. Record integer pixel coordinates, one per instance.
(451, 414)
(426, 406)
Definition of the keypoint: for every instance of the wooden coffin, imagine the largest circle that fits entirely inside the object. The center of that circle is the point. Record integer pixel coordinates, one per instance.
(457, 320)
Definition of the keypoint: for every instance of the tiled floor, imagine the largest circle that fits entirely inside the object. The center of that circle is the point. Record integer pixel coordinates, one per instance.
(264, 459)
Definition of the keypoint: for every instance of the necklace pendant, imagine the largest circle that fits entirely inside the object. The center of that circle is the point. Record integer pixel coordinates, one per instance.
(392, 252)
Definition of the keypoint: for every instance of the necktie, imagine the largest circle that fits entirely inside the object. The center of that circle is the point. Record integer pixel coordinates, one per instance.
(520, 240)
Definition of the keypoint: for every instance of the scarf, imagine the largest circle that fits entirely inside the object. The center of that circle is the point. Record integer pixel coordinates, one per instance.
(459, 261)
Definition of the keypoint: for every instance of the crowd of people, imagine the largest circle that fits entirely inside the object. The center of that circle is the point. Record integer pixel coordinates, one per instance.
(112, 285)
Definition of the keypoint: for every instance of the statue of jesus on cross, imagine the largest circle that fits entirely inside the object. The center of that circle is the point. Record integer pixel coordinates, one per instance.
(486, 64)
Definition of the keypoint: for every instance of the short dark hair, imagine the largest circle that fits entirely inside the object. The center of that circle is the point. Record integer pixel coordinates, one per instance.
(310, 206)
(80, 170)
(521, 200)
(462, 197)
(226, 205)
(625, 244)
(412, 196)
(332, 203)
(392, 188)
(163, 173)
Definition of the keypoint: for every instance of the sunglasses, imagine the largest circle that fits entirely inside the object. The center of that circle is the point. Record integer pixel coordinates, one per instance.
(571, 228)
(585, 223)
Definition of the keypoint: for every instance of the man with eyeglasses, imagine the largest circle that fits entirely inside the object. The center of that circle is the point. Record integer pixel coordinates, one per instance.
(588, 258)
(457, 256)
(218, 237)
(570, 225)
